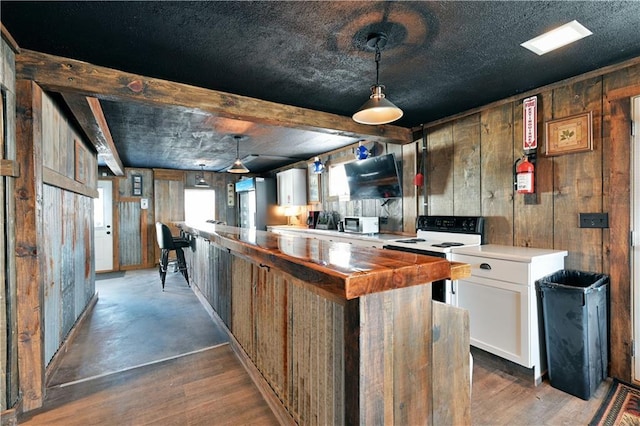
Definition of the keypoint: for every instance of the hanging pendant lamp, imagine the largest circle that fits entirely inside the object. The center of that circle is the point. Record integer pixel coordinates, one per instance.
(378, 109)
(237, 166)
(200, 182)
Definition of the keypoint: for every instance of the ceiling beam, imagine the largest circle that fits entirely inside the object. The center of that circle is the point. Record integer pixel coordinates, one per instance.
(58, 74)
(89, 114)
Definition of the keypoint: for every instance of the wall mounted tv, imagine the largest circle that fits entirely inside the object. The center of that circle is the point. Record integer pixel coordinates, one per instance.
(375, 177)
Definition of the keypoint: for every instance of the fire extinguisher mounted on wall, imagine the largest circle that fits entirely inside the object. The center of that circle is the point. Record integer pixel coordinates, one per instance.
(524, 176)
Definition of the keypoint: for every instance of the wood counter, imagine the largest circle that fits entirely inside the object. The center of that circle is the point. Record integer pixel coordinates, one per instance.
(337, 334)
(341, 269)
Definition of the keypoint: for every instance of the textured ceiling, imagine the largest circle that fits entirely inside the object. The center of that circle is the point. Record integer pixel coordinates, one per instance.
(442, 57)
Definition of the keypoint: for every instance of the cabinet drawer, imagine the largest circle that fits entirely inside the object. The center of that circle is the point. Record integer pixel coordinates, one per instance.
(496, 269)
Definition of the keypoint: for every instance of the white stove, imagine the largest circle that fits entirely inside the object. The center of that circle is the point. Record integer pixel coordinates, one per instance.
(436, 236)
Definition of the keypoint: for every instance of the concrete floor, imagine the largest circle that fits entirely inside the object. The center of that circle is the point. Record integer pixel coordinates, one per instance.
(134, 323)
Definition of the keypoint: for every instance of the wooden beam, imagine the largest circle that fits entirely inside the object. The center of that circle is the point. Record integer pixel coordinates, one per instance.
(28, 205)
(9, 168)
(9, 39)
(91, 118)
(58, 74)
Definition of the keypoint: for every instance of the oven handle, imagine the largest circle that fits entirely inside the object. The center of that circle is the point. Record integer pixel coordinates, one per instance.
(485, 266)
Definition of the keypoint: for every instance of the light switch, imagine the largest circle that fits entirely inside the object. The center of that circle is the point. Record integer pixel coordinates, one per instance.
(144, 203)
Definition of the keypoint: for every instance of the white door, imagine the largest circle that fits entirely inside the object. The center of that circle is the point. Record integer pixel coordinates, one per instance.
(635, 229)
(102, 225)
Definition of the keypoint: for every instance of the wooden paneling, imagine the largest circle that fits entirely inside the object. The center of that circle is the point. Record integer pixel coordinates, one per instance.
(440, 170)
(466, 166)
(533, 223)
(242, 318)
(497, 173)
(617, 201)
(566, 185)
(130, 234)
(578, 180)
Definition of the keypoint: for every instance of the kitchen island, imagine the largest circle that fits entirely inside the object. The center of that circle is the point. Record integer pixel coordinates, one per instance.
(334, 333)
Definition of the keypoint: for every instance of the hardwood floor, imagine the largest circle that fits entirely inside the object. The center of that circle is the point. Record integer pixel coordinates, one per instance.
(210, 386)
(205, 388)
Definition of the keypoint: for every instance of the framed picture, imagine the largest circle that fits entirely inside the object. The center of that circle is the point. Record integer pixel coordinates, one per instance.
(314, 185)
(136, 185)
(568, 135)
(81, 163)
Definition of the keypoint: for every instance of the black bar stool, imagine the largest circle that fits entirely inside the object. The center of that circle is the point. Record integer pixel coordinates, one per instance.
(168, 242)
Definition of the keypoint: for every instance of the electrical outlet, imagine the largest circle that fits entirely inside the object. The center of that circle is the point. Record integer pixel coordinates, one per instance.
(594, 220)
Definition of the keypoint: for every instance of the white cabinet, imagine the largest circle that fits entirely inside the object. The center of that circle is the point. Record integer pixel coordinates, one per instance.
(292, 187)
(505, 314)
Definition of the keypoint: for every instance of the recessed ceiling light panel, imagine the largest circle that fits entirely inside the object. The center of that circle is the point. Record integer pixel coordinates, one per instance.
(554, 39)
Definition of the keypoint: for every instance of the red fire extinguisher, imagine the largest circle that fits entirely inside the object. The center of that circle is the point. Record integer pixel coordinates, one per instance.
(524, 172)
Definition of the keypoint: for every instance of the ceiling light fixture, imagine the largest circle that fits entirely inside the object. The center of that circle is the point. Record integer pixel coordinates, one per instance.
(318, 166)
(200, 182)
(554, 39)
(238, 167)
(378, 109)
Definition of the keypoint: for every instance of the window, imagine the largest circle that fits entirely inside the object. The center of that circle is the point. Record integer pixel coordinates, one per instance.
(338, 185)
(199, 205)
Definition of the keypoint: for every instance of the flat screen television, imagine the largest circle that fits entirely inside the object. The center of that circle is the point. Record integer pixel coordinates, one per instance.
(375, 177)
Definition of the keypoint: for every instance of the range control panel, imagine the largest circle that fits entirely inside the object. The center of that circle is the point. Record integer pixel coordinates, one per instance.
(454, 224)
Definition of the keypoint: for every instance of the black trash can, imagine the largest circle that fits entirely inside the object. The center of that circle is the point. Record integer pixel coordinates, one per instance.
(574, 307)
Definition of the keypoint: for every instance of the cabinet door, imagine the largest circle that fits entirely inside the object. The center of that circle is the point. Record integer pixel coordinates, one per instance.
(292, 187)
(498, 317)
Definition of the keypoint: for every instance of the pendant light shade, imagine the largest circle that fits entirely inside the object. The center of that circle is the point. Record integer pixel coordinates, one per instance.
(237, 166)
(378, 109)
(200, 182)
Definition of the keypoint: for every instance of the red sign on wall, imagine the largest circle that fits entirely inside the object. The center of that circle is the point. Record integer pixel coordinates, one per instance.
(530, 123)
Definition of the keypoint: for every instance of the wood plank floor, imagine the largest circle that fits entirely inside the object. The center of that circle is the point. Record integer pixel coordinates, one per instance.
(205, 388)
(211, 387)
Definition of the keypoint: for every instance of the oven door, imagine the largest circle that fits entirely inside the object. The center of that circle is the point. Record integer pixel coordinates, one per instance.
(441, 290)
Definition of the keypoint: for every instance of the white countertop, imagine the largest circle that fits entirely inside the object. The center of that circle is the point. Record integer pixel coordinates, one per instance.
(374, 237)
(516, 254)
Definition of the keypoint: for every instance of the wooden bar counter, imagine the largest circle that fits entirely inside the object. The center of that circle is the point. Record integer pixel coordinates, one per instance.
(335, 333)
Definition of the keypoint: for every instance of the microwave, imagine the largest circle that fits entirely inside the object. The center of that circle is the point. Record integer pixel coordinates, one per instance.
(361, 224)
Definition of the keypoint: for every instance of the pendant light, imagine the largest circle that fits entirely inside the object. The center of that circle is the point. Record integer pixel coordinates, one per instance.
(237, 166)
(200, 182)
(378, 109)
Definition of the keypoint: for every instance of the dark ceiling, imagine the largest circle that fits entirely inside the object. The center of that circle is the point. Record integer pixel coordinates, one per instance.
(442, 58)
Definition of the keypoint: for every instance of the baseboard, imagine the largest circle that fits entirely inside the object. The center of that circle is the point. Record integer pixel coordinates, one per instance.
(9, 417)
(278, 409)
(509, 367)
(57, 357)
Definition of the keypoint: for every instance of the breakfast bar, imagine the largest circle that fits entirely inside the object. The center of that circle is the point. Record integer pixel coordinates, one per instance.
(335, 333)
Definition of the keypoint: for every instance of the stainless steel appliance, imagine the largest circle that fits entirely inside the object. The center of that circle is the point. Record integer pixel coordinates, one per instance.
(257, 203)
(436, 236)
(361, 224)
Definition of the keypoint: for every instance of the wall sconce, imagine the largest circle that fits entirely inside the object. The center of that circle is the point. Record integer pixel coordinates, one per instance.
(318, 166)
(200, 182)
(362, 151)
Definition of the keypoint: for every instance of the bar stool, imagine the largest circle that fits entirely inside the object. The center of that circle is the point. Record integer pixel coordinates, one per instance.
(168, 242)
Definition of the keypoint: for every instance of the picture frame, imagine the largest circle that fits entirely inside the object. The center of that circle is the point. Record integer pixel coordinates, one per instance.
(569, 135)
(136, 185)
(313, 180)
(80, 174)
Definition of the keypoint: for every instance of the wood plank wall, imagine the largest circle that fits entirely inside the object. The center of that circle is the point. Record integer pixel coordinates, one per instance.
(8, 307)
(54, 233)
(393, 209)
(470, 165)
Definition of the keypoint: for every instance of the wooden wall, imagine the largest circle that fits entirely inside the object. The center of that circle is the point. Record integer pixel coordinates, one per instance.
(393, 209)
(136, 245)
(9, 170)
(470, 166)
(54, 233)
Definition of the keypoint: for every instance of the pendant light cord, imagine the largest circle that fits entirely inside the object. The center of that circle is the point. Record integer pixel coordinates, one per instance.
(377, 58)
